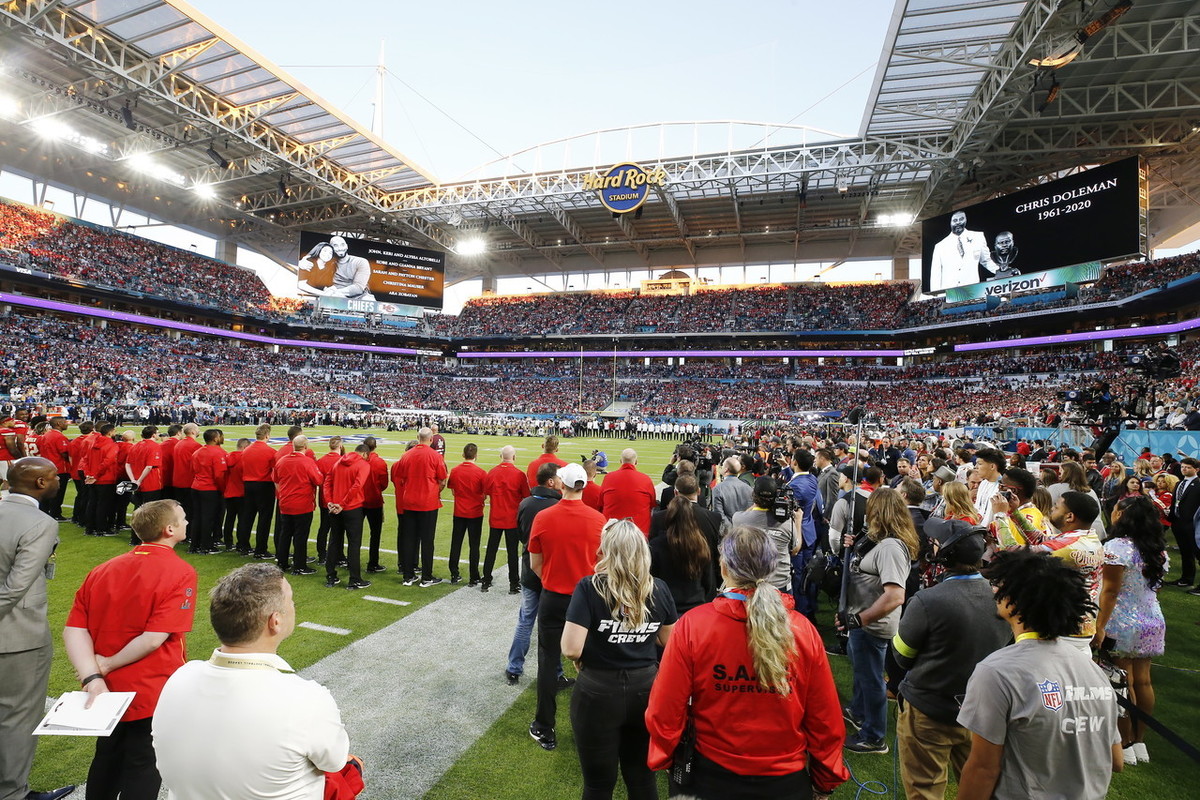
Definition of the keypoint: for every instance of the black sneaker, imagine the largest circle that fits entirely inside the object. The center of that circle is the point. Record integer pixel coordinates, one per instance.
(358, 584)
(332, 582)
(472, 584)
(851, 720)
(564, 682)
(512, 678)
(304, 571)
(455, 579)
(514, 590)
(430, 582)
(413, 581)
(376, 568)
(546, 738)
(343, 563)
(484, 587)
(264, 556)
(857, 745)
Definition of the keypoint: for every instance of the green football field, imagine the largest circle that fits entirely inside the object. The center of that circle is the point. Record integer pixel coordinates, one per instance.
(505, 762)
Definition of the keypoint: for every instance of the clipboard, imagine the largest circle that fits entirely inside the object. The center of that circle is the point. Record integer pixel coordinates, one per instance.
(68, 717)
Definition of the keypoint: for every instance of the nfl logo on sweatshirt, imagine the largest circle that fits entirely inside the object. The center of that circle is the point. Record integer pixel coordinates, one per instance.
(1052, 696)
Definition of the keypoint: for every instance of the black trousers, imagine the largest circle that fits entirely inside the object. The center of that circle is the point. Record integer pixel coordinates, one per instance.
(323, 535)
(346, 528)
(53, 505)
(1185, 537)
(81, 513)
(418, 529)
(292, 539)
(124, 764)
(711, 781)
(511, 540)
(552, 618)
(472, 529)
(205, 530)
(259, 503)
(103, 506)
(233, 518)
(140, 498)
(374, 520)
(183, 496)
(608, 716)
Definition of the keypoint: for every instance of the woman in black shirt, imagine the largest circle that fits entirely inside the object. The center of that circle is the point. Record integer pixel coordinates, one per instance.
(614, 622)
(680, 553)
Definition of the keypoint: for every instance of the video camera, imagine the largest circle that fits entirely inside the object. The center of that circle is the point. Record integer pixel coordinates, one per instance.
(784, 506)
(1159, 364)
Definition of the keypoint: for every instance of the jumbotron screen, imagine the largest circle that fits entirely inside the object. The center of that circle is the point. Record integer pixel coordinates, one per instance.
(1092, 216)
(361, 271)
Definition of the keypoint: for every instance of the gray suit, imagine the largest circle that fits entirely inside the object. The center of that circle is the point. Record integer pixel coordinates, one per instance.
(27, 540)
(827, 487)
(730, 496)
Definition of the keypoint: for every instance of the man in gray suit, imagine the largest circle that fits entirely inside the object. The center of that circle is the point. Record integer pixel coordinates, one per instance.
(827, 479)
(731, 495)
(27, 541)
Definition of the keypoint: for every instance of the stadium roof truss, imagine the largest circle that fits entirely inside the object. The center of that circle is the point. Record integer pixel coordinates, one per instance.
(956, 114)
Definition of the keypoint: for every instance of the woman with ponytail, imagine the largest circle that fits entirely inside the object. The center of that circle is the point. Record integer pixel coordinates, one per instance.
(752, 675)
(683, 546)
(616, 621)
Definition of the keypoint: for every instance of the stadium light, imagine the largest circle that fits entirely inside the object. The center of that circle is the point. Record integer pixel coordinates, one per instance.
(475, 246)
(9, 107)
(899, 220)
(51, 128)
(204, 190)
(216, 157)
(148, 166)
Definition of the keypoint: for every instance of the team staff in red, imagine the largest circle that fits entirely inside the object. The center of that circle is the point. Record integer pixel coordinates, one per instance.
(548, 456)
(591, 492)
(144, 467)
(55, 447)
(296, 480)
(466, 482)
(126, 633)
(629, 493)
(765, 709)
(100, 475)
(174, 435)
(181, 467)
(344, 491)
(257, 462)
(506, 487)
(325, 463)
(422, 476)
(208, 486)
(83, 492)
(562, 550)
(373, 503)
(234, 492)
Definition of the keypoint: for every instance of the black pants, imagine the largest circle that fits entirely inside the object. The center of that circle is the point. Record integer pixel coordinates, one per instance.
(552, 618)
(124, 764)
(103, 505)
(233, 518)
(293, 539)
(1185, 537)
(472, 529)
(711, 781)
(184, 498)
(81, 513)
(259, 503)
(345, 527)
(53, 505)
(205, 530)
(140, 498)
(418, 529)
(608, 715)
(511, 541)
(374, 520)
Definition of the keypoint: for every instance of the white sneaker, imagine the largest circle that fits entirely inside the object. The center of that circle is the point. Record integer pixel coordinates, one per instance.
(1130, 757)
(1139, 750)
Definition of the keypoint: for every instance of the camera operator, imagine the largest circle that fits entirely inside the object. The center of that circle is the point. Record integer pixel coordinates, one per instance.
(805, 497)
(783, 533)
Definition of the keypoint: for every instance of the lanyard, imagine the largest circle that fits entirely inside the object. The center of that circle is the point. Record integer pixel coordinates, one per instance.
(735, 596)
(973, 577)
(1028, 635)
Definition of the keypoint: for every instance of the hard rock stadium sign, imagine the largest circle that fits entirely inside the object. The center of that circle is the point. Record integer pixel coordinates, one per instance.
(625, 186)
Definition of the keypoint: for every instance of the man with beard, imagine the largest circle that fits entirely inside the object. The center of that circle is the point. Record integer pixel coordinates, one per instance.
(1005, 255)
(962, 258)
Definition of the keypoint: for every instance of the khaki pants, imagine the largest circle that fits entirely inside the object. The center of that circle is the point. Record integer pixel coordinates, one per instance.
(927, 747)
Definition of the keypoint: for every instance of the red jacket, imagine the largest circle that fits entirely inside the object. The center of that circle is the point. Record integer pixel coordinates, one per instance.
(209, 469)
(591, 495)
(181, 468)
(257, 461)
(545, 458)
(344, 483)
(233, 479)
(100, 460)
(168, 461)
(147, 453)
(507, 487)
(123, 448)
(467, 483)
(54, 446)
(373, 488)
(287, 449)
(76, 449)
(628, 493)
(296, 480)
(421, 472)
(325, 464)
(740, 727)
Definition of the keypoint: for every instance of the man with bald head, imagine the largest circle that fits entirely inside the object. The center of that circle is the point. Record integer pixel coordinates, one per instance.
(506, 486)
(628, 493)
(419, 477)
(297, 477)
(27, 541)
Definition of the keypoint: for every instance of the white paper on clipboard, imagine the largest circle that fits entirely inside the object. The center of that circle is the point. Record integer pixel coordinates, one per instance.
(68, 717)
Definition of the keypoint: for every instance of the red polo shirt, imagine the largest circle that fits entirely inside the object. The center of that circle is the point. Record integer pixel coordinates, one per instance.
(421, 472)
(545, 458)
(591, 495)
(467, 483)
(147, 453)
(507, 487)
(567, 534)
(378, 481)
(233, 478)
(54, 446)
(628, 493)
(181, 467)
(209, 468)
(296, 480)
(149, 588)
(344, 483)
(257, 461)
(289, 448)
